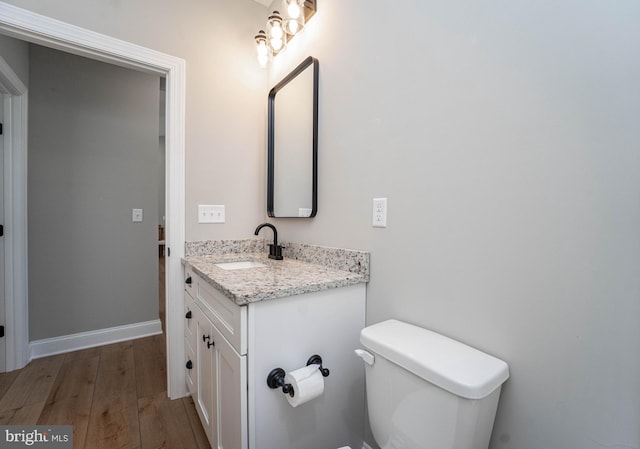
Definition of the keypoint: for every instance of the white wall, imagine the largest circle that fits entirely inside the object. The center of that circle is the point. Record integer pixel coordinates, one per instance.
(93, 157)
(506, 137)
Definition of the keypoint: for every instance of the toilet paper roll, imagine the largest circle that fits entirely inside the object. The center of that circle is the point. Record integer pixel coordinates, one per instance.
(307, 384)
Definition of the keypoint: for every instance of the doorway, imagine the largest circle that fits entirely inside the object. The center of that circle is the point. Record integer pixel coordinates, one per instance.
(25, 25)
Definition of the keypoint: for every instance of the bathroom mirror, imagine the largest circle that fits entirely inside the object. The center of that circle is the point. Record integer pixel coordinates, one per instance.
(292, 165)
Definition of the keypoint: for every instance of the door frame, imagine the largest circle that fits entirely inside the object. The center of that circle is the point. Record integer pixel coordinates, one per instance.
(15, 105)
(29, 26)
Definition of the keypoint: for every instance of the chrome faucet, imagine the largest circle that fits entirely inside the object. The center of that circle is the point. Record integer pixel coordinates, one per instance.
(275, 250)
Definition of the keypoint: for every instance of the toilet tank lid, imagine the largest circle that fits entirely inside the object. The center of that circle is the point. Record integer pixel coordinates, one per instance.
(442, 361)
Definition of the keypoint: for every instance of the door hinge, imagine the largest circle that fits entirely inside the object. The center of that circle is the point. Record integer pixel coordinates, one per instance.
(1, 331)
(168, 252)
(1, 230)
(0, 129)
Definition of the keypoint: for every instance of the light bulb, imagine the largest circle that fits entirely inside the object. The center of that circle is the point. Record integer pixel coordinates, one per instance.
(263, 60)
(276, 44)
(292, 27)
(262, 49)
(293, 9)
(276, 32)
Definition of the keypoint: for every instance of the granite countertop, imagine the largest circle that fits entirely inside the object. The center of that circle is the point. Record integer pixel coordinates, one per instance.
(278, 279)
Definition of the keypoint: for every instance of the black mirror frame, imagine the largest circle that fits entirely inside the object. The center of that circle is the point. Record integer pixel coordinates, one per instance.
(271, 136)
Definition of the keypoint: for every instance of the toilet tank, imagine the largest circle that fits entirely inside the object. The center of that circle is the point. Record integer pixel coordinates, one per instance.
(425, 390)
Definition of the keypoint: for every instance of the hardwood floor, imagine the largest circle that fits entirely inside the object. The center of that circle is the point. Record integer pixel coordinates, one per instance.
(115, 396)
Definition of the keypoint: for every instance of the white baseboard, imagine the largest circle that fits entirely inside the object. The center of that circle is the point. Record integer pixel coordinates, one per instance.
(83, 340)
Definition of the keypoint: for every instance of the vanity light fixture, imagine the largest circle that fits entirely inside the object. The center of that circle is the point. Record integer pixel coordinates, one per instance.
(281, 28)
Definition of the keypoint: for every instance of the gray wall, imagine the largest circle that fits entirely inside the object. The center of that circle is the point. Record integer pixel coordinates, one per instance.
(93, 156)
(505, 136)
(16, 54)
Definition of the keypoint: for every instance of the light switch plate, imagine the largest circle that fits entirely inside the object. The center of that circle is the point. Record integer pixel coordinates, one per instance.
(304, 212)
(136, 215)
(211, 213)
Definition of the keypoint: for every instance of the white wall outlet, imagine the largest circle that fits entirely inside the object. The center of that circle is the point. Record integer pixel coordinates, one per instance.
(136, 215)
(380, 212)
(211, 213)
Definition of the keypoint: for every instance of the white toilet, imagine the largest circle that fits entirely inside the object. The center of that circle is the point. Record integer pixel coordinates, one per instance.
(428, 391)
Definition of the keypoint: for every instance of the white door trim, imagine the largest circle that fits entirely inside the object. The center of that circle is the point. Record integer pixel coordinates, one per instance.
(42, 30)
(15, 217)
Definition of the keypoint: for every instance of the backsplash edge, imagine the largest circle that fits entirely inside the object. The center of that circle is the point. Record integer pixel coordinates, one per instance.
(354, 261)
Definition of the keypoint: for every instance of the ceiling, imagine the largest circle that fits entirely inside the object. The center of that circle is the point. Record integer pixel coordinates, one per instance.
(264, 2)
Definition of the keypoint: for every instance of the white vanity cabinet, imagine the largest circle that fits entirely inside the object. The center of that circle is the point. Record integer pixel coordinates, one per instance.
(228, 380)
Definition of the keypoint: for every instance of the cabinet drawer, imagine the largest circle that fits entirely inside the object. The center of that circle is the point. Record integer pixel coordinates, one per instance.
(228, 317)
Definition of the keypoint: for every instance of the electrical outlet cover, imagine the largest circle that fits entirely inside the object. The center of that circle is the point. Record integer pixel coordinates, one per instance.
(379, 213)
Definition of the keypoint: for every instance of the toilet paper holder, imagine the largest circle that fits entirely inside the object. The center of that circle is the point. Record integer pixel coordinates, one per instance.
(275, 379)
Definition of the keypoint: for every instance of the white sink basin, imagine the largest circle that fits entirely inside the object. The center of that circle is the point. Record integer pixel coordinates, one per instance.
(240, 265)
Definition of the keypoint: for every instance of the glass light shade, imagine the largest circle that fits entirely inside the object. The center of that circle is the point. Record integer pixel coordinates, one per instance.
(293, 22)
(274, 26)
(293, 8)
(294, 26)
(263, 50)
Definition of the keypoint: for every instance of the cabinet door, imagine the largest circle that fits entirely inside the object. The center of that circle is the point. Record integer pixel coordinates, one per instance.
(207, 400)
(232, 396)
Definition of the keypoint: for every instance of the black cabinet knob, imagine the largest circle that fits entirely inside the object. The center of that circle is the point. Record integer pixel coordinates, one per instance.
(210, 343)
(206, 337)
(188, 281)
(189, 364)
(188, 315)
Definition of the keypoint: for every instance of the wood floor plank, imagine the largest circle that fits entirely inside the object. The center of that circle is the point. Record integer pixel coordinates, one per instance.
(69, 411)
(113, 424)
(77, 378)
(163, 423)
(113, 421)
(26, 415)
(33, 383)
(195, 424)
(6, 380)
(116, 372)
(71, 397)
(151, 367)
